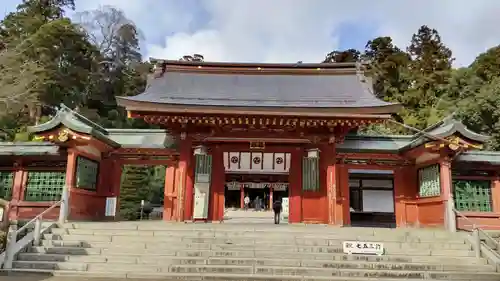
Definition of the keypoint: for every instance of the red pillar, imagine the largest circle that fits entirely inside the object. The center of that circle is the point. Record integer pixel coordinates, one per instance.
(18, 186)
(342, 210)
(216, 203)
(295, 186)
(495, 194)
(328, 178)
(187, 171)
(450, 220)
(71, 179)
(242, 197)
(169, 194)
(400, 176)
(271, 198)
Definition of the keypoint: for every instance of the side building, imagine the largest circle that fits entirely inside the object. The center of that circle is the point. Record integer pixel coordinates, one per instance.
(277, 131)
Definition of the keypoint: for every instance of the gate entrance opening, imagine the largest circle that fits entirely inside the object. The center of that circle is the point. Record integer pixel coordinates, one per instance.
(262, 190)
(371, 196)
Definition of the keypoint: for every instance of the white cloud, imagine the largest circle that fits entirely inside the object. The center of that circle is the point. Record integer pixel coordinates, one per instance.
(257, 30)
(293, 30)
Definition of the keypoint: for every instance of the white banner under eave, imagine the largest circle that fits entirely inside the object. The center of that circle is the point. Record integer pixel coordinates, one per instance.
(257, 162)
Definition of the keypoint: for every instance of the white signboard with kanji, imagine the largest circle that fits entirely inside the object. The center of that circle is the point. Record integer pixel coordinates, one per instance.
(363, 248)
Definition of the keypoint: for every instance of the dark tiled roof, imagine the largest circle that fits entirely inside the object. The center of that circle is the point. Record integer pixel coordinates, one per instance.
(327, 89)
(443, 129)
(142, 138)
(28, 148)
(474, 156)
(76, 122)
(374, 144)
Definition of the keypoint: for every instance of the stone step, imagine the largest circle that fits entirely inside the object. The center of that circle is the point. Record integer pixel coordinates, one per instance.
(286, 228)
(163, 276)
(160, 225)
(168, 247)
(159, 264)
(292, 260)
(264, 270)
(141, 228)
(251, 252)
(202, 243)
(117, 247)
(162, 236)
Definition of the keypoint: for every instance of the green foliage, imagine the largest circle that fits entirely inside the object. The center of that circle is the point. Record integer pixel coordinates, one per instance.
(423, 81)
(140, 183)
(350, 55)
(133, 189)
(46, 59)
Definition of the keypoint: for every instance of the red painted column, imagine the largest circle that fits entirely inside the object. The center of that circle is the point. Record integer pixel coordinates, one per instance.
(18, 186)
(446, 186)
(169, 194)
(216, 203)
(328, 179)
(187, 171)
(342, 208)
(242, 197)
(271, 198)
(295, 185)
(400, 196)
(70, 178)
(495, 194)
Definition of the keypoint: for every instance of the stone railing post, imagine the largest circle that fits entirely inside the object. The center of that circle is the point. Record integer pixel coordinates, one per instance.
(10, 245)
(64, 207)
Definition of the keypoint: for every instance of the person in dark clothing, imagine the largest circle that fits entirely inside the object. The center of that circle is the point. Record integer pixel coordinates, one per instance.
(277, 211)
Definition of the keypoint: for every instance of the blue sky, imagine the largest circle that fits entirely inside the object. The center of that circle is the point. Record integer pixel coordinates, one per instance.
(293, 30)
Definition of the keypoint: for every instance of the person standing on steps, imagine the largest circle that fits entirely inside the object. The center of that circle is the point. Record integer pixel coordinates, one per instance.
(256, 203)
(277, 208)
(247, 202)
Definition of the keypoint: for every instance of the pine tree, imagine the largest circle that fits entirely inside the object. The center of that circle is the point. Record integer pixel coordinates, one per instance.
(387, 67)
(429, 72)
(349, 55)
(134, 188)
(49, 44)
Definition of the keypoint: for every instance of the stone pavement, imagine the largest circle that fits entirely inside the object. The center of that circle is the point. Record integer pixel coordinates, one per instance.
(64, 278)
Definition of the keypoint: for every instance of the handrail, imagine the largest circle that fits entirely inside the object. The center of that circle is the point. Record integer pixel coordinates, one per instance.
(478, 228)
(39, 216)
(476, 231)
(13, 246)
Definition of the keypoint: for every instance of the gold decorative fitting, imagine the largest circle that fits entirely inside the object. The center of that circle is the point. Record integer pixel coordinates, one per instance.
(258, 68)
(51, 137)
(257, 145)
(39, 138)
(63, 136)
(199, 66)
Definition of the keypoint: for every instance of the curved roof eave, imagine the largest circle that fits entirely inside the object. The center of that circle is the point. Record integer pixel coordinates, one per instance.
(131, 104)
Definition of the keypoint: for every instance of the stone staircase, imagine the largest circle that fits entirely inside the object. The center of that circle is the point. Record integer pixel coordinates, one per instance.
(198, 251)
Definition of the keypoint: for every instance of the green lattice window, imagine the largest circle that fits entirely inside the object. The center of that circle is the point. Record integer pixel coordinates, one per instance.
(472, 195)
(87, 172)
(429, 181)
(44, 186)
(203, 168)
(6, 182)
(310, 174)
